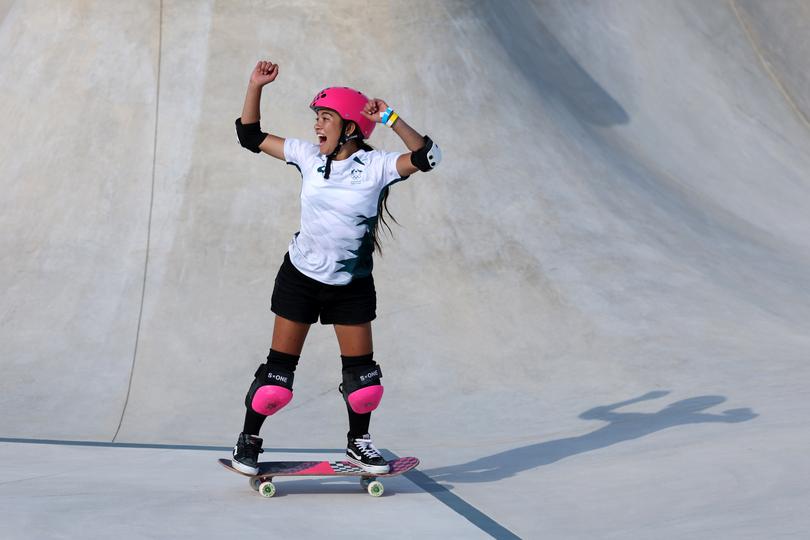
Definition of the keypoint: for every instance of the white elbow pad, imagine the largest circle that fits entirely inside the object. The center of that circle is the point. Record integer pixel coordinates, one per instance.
(428, 157)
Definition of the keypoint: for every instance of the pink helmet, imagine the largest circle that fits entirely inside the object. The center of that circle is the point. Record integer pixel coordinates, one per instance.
(348, 103)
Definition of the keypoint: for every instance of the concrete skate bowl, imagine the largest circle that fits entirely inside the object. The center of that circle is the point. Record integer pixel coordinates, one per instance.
(620, 222)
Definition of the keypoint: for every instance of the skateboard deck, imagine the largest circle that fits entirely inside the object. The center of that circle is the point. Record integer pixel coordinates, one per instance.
(263, 480)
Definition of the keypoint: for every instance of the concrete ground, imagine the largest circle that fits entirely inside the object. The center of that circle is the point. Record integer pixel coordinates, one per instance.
(592, 319)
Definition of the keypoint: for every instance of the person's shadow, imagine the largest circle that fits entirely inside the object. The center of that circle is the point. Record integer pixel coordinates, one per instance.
(621, 427)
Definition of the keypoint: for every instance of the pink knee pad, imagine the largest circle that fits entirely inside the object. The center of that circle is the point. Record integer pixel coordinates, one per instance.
(270, 399)
(365, 400)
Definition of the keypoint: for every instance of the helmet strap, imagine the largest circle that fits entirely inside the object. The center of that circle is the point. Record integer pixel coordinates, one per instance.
(343, 140)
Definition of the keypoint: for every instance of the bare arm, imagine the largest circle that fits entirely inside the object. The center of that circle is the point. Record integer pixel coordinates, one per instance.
(264, 73)
(412, 139)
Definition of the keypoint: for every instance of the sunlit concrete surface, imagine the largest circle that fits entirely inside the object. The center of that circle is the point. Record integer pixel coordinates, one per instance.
(593, 319)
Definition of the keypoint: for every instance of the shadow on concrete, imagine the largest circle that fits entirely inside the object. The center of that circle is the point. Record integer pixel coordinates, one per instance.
(546, 64)
(621, 427)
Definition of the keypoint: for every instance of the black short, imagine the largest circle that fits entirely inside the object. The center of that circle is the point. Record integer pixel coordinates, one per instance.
(300, 298)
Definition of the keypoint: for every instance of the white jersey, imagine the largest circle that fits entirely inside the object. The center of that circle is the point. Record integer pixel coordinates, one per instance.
(338, 214)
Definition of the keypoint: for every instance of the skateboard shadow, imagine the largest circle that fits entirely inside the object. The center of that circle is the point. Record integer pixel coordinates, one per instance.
(621, 427)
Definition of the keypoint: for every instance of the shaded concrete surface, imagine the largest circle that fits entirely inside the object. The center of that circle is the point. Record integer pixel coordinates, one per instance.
(592, 321)
(170, 494)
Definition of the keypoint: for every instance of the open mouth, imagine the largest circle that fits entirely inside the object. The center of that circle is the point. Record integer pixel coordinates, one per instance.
(321, 139)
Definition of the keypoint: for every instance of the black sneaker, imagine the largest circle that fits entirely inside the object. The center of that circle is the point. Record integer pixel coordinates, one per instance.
(361, 451)
(246, 453)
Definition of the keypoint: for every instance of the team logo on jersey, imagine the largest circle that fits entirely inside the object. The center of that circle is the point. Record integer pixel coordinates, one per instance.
(357, 174)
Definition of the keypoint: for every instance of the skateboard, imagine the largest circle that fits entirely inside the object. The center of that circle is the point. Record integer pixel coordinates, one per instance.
(263, 480)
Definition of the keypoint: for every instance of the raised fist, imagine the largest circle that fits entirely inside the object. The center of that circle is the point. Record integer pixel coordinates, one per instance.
(265, 72)
(373, 109)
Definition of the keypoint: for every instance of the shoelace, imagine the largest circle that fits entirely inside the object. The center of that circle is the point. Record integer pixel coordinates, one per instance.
(260, 449)
(253, 445)
(367, 448)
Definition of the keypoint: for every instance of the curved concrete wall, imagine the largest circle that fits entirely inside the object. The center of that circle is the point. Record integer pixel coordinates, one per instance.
(77, 95)
(621, 210)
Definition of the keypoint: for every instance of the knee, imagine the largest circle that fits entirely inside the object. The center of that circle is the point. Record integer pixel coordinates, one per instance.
(361, 387)
(272, 385)
(271, 390)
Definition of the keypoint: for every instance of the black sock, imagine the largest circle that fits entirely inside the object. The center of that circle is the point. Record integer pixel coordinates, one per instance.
(254, 420)
(358, 423)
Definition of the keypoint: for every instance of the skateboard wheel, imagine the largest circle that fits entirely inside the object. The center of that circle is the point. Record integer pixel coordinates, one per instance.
(375, 488)
(267, 489)
(254, 483)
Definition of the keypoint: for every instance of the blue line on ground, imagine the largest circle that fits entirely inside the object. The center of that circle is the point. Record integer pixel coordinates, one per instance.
(456, 503)
(103, 444)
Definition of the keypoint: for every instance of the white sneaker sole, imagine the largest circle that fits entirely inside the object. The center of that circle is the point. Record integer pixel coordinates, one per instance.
(376, 469)
(243, 468)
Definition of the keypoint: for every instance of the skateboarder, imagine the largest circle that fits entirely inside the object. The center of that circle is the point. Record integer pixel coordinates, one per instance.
(326, 272)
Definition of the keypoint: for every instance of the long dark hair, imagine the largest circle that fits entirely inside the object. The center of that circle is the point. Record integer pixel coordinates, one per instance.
(382, 205)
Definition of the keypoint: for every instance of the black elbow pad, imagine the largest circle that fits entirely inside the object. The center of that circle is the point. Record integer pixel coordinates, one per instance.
(428, 157)
(250, 135)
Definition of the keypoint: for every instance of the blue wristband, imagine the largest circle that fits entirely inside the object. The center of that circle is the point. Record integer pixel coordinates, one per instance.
(384, 116)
